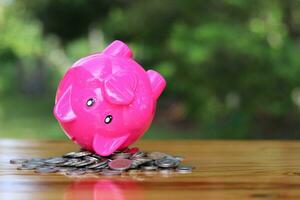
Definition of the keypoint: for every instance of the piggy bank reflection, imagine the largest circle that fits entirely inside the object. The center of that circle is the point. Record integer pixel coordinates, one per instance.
(106, 101)
(104, 189)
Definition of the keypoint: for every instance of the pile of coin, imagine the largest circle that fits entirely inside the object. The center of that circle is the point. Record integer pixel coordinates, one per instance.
(83, 162)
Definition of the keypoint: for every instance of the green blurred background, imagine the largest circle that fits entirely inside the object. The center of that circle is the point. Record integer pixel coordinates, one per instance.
(232, 66)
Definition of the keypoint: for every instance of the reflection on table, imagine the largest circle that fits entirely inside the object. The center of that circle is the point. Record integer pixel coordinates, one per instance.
(104, 189)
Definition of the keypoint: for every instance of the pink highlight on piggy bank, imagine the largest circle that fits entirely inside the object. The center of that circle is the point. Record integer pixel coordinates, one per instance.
(106, 101)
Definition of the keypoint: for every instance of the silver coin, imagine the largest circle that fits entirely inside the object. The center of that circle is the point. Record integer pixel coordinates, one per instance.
(91, 158)
(167, 163)
(157, 155)
(70, 154)
(97, 156)
(26, 166)
(102, 166)
(150, 168)
(46, 170)
(37, 160)
(138, 154)
(77, 154)
(83, 163)
(83, 153)
(96, 165)
(55, 160)
(18, 161)
(152, 162)
(71, 162)
(75, 172)
(140, 161)
(184, 169)
(37, 163)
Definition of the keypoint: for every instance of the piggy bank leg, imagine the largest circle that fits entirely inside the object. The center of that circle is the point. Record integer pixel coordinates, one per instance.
(158, 83)
(105, 146)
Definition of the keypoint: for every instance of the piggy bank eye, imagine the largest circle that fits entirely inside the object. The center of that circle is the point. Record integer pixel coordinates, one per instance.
(108, 119)
(90, 102)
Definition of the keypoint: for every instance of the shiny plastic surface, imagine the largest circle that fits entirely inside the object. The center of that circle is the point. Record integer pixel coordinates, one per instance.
(106, 101)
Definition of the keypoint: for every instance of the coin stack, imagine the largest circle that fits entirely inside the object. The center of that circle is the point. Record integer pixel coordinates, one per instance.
(83, 162)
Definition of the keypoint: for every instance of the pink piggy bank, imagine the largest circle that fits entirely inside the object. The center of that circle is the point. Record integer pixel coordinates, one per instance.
(106, 101)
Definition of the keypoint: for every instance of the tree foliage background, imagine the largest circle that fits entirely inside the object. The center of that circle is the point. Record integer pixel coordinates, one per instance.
(232, 66)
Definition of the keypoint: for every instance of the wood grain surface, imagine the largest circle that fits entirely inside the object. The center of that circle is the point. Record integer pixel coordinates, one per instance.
(224, 170)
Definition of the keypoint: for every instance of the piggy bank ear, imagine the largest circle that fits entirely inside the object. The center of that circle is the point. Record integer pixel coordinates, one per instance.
(120, 87)
(63, 109)
(158, 83)
(118, 48)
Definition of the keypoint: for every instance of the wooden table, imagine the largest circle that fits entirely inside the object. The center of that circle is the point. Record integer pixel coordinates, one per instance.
(224, 170)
